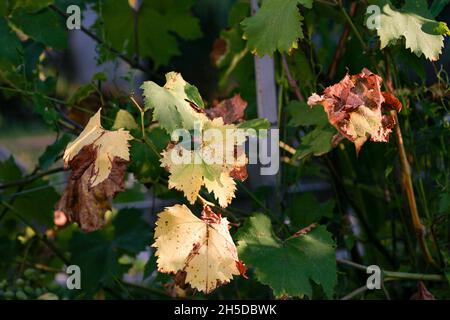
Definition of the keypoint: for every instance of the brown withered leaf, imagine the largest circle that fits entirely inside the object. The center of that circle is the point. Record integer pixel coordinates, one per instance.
(98, 159)
(358, 108)
(231, 110)
(422, 293)
(82, 203)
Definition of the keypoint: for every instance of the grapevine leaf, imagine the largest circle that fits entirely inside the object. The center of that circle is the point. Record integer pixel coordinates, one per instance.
(200, 251)
(174, 104)
(302, 115)
(11, 54)
(306, 209)
(131, 232)
(4, 8)
(317, 142)
(437, 6)
(145, 155)
(444, 203)
(44, 26)
(256, 124)
(98, 159)
(52, 152)
(212, 164)
(32, 5)
(45, 109)
(193, 95)
(288, 266)
(107, 144)
(98, 253)
(125, 120)
(276, 26)
(415, 23)
(81, 94)
(231, 110)
(442, 29)
(159, 23)
(30, 204)
(98, 259)
(356, 107)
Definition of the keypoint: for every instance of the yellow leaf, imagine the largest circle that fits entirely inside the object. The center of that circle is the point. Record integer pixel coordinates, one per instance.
(108, 144)
(210, 165)
(202, 248)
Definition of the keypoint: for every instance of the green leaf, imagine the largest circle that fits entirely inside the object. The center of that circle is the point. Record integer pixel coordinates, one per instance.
(45, 109)
(150, 267)
(235, 63)
(256, 124)
(125, 120)
(9, 171)
(159, 24)
(30, 202)
(3, 8)
(316, 142)
(52, 152)
(444, 203)
(145, 156)
(32, 52)
(288, 266)
(442, 29)
(276, 26)
(10, 53)
(306, 210)
(98, 260)
(98, 253)
(81, 93)
(32, 5)
(99, 76)
(415, 23)
(303, 115)
(193, 95)
(8, 251)
(45, 26)
(171, 104)
(132, 233)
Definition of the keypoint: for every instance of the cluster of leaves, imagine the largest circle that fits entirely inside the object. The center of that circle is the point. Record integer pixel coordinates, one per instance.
(289, 241)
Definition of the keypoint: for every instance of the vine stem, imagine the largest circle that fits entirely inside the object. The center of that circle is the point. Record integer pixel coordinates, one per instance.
(355, 292)
(352, 25)
(142, 112)
(341, 45)
(291, 79)
(31, 179)
(419, 228)
(408, 186)
(391, 275)
(134, 64)
(288, 148)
